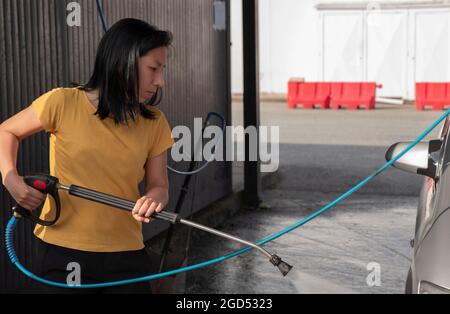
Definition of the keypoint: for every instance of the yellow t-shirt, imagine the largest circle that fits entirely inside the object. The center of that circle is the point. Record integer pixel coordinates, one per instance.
(99, 155)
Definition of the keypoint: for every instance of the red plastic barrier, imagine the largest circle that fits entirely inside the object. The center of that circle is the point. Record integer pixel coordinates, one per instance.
(309, 94)
(353, 95)
(436, 95)
(340, 94)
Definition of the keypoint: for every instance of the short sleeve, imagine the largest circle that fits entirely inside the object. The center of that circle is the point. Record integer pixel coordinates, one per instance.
(161, 139)
(49, 108)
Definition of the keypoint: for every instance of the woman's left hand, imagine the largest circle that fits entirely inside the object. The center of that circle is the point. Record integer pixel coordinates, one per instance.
(145, 207)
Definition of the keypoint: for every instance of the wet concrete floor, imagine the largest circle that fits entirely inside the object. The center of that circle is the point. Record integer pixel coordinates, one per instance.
(322, 154)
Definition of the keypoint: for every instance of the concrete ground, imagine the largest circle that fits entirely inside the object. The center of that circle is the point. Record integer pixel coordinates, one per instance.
(323, 154)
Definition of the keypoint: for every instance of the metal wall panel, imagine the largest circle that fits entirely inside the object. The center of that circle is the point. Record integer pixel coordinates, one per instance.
(39, 51)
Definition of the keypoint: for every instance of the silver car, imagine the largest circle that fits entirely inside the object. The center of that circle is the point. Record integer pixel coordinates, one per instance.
(430, 267)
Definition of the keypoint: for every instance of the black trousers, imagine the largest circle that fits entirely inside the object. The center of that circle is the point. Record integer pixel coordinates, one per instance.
(57, 264)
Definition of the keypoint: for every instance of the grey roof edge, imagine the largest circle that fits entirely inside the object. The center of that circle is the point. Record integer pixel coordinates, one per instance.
(381, 5)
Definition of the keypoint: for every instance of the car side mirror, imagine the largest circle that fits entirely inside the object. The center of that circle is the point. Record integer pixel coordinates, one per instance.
(421, 159)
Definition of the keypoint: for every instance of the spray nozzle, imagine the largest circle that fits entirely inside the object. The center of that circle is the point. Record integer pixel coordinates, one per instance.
(282, 266)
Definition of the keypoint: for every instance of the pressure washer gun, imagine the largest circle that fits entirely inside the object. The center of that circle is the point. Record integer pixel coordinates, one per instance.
(50, 185)
(44, 184)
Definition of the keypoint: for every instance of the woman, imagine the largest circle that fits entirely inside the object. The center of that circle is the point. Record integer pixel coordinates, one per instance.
(106, 136)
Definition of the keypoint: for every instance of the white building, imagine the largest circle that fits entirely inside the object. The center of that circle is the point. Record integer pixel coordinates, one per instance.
(394, 43)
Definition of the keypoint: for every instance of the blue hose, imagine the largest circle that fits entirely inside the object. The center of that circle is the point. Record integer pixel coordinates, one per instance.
(13, 222)
(102, 16)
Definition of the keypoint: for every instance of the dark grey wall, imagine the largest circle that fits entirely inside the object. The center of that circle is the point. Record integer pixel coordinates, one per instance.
(38, 52)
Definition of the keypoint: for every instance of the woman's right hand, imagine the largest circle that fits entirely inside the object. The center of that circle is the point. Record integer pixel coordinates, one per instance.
(26, 196)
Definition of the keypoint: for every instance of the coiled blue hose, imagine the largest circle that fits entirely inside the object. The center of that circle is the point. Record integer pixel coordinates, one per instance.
(13, 222)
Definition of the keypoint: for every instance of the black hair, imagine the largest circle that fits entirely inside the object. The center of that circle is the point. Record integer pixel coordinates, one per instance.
(116, 72)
